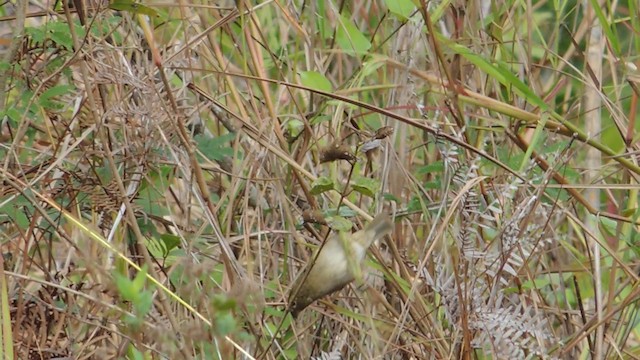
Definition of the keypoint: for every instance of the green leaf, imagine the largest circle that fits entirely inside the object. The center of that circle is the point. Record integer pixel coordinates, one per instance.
(339, 223)
(170, 241)
(349, 38)
(14, 114)
(45, 99)
(608, 226)
(319, 119)
(436, 167)
(37, 34)
(17, 211)
(501, 73)
(366, 186)
(538, 283)
(322, 184)
(155, 247)
(134, 354)
(295, 127)
(630, 212)
(152, 200)
(391, 197)
(401, 8)
(216, 148)
(144, 303)
(225, 323)
(140, 279)
(415, 204)
(436, 184)
(125, 287)
(59, 32)
(315, 80)
(160, 246)
(132, 7)
(132, 320)
(271, 327)
(371, 66)
(344, 211)
(222, 302)
(291, 353)
(149, 230)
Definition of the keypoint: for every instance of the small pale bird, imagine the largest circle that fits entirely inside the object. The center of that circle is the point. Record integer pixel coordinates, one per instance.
(337, 264)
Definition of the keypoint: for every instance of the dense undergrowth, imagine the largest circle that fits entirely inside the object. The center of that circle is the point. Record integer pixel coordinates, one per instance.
(168, 169)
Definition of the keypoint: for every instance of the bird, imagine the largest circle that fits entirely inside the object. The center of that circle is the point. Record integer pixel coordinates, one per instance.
(337, 264)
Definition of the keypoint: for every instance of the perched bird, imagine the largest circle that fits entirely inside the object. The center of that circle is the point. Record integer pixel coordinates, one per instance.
(336, 265)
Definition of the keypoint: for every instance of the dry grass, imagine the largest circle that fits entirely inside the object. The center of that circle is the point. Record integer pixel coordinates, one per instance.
(157, 173)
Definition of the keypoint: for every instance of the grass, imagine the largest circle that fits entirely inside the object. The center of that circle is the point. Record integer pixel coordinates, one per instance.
(168, 170)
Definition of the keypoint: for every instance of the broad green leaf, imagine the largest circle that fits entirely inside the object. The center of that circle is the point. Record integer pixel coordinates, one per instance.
(216, 148)
(144, 303)
(630, 212)
(315, 80)
(291, 353)
(401, 8)
(344, 211)
(366, 186)
(222, 302)
(414, 204)
(294, 126)
(151, 199)
(225, 323)
(36, 33)
(537, 283)
(436, 184)
(170, 241)
(609, 227)
(45, 99)
(500, 73)
(155, 248)
(59, 32)
(125, 287)
(371, 66)
(349, 38)
(436, 167)
(322, 184)
(135, 354)
(13, 114)
(339, 223)
(140, 279)
(16, 211)
(319, 119)
(391, 197)
(132, 7)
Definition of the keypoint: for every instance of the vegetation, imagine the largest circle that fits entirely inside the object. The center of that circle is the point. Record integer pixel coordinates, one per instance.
(168, 169)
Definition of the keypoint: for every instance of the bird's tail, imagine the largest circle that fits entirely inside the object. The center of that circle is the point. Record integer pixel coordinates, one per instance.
(380, 226)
